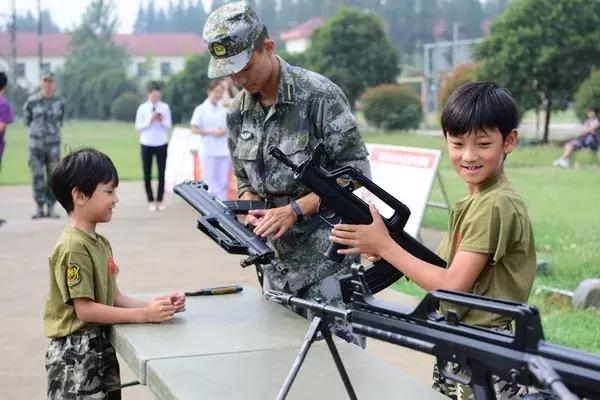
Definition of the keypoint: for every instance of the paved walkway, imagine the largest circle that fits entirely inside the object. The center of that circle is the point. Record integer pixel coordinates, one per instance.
(156, 252)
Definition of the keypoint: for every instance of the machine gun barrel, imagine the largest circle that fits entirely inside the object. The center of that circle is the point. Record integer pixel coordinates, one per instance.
(521, 356)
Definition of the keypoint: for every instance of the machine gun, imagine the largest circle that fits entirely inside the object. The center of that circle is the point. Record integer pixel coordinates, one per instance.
(523, 357)
(340, 205)
(218, 220)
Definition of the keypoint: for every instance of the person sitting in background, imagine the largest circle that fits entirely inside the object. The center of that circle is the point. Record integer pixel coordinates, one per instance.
(589, 138)
(153, 121)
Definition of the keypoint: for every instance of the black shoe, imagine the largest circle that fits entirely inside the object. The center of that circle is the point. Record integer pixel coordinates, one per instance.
(51, 213)
(39, 213)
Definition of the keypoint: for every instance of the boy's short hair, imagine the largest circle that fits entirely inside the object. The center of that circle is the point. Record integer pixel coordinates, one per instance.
(3, 80)
(83, 169)
(154, 85)
(590, 108)
(479, 106)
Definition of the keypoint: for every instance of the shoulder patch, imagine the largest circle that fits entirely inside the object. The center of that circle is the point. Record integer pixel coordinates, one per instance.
(73, 275)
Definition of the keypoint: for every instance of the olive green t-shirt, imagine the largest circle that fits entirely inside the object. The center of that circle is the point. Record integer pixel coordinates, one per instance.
(81, 266)
(493, 221)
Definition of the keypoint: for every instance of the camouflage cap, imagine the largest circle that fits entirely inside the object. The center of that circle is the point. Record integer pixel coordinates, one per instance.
(230, 32)
(48, 76)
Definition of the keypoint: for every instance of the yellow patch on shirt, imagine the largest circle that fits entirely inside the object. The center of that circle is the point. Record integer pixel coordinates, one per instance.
(73, 275)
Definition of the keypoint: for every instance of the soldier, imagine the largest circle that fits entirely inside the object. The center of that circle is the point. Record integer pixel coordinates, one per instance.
(43, 114)
(293, 109)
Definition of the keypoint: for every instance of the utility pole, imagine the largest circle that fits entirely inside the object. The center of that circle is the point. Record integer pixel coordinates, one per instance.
(455, 28)
(13, 41)
(39, 31)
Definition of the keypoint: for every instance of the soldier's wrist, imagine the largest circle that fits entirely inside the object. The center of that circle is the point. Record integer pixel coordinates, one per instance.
(297, 211)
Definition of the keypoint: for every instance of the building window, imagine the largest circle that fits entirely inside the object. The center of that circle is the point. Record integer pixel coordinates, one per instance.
(45, 67)
(142, 69)
(20, 70)
(165, 68)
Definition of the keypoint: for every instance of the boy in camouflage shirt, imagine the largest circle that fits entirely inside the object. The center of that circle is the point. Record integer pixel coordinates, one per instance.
(84, 297)
(489, 246)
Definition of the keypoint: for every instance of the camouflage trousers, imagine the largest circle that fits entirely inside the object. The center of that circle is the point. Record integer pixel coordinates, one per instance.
(327, 291)
(83, 366)
(457, 391)
(41, 163)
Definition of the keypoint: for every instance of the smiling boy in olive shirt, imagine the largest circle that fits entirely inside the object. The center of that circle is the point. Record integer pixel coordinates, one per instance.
(489, 246)
(84, 298)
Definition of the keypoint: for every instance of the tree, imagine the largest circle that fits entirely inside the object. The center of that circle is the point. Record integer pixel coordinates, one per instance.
(353, 51)
(587, 95)
(186, 89)
(29, 23)
(94, 73)
(542, 50)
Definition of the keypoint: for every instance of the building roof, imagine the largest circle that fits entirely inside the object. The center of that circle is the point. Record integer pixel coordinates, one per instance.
(137, 44)
(302, 31)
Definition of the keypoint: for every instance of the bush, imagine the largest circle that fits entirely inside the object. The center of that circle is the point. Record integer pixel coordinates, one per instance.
(186, 89)
(124, 107)
(296, 59)
(587, 94)
(392, 107)
(460, 75)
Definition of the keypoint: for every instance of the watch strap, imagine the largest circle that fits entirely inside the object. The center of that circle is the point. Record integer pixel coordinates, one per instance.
(297, 211)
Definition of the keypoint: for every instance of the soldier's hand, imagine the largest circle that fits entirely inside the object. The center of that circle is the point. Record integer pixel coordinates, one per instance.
(273, 222)
(159, 309)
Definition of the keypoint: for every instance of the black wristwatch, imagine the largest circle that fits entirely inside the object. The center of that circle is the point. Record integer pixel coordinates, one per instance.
(297, 211)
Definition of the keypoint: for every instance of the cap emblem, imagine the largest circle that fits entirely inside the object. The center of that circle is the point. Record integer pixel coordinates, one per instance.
(219, 50)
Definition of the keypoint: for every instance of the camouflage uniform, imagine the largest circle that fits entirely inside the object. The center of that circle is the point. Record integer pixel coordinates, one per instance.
(309, 108)
(44, 117)
(83, 365)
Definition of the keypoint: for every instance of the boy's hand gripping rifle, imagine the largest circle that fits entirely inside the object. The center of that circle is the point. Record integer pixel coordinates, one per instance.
(218, 220)
(523, 358)
(340, 205)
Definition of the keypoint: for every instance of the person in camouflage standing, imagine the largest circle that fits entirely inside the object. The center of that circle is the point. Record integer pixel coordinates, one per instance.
(43, 113)
(293, 109)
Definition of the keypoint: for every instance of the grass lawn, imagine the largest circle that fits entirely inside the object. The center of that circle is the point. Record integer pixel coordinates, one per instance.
(563, 205)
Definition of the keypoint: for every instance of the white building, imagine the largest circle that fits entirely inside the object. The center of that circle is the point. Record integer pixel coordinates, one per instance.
(151, 55)
(297, 40)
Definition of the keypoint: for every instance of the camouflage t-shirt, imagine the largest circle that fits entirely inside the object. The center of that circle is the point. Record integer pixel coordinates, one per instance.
(81, 266)
(493, 221)
(308, 108)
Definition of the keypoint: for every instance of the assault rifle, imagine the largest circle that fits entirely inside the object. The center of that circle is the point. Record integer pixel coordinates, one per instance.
(218, 220)
(340, 205)
(523, 357)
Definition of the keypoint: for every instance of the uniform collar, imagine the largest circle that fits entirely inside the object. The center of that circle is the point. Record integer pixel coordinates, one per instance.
(286, 89)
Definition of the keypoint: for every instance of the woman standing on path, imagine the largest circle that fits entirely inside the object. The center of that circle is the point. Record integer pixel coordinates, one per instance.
(153, 121)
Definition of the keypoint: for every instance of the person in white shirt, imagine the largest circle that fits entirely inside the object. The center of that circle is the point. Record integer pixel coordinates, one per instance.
(208, 122)
(153, 121)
